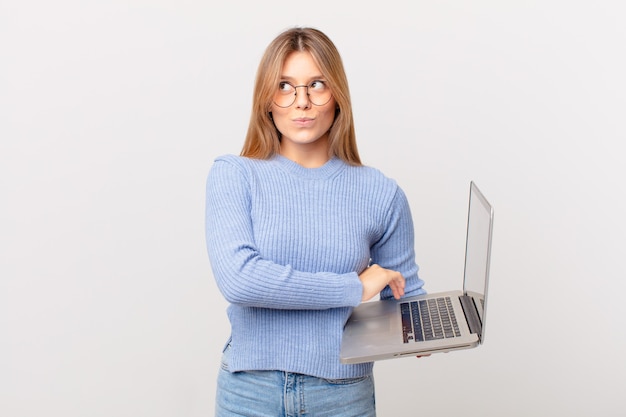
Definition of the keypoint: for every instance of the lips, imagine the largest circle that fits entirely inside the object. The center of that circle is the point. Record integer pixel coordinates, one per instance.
(303, 121)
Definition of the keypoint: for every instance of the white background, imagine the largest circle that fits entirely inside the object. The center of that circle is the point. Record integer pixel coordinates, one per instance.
(112, 112)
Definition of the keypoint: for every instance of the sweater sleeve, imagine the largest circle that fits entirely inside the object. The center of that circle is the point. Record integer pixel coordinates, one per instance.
(395, 249)
(243, 276)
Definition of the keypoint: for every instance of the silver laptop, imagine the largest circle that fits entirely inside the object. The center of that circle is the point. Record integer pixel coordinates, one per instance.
(438, 322)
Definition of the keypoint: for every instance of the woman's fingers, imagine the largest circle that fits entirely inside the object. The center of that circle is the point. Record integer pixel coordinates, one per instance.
(375, 278)
(397, 286)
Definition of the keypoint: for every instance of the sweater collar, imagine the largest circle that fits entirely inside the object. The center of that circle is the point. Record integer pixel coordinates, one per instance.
(330, 168)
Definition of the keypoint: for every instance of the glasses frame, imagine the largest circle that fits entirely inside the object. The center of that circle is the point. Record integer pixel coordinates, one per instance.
(308, 95)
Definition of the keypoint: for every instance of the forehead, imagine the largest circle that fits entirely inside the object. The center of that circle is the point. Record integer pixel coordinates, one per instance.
(300, 65)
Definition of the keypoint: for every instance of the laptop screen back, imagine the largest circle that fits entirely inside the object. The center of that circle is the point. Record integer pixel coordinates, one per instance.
(478, 252)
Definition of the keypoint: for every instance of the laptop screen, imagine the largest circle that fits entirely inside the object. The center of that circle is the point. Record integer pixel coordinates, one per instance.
(478, 250)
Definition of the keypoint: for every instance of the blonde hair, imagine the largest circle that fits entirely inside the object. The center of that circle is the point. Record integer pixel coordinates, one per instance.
(263, 139)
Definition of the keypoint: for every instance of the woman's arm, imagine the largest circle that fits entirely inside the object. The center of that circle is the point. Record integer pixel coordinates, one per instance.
(243, 276)
(395, 249)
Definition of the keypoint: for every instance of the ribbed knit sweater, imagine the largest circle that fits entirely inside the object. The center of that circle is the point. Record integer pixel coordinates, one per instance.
(286, 245)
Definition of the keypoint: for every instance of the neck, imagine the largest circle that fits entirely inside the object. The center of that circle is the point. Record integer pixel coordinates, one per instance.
(312, 155)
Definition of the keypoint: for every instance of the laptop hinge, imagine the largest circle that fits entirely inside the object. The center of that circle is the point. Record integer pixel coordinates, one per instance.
(471, 314)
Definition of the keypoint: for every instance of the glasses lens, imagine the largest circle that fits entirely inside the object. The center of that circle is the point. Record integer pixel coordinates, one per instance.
(285, 95)
(318, 93)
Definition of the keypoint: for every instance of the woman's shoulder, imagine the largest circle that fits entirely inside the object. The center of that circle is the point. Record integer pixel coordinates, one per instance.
(247, 169)
(373, 176)
(237, 162)
(228, 167)
(232, 159)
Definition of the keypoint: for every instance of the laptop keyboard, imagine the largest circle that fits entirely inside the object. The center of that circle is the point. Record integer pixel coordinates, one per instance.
(428, 320)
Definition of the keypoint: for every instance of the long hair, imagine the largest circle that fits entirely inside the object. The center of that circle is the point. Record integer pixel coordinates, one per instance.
(263, 139)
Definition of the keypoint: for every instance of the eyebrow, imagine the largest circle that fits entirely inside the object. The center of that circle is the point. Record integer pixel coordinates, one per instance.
(313, 78)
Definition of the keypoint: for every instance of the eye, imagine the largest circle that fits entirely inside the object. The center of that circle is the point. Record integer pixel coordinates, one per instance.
(318, 86)
(285, 88)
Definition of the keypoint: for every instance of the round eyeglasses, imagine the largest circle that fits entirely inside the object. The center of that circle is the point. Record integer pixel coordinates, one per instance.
(317, 92)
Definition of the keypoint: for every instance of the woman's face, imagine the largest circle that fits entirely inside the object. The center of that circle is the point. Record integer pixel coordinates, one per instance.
(303, 125)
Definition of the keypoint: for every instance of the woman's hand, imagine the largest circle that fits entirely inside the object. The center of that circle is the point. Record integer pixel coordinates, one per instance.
(375, 278)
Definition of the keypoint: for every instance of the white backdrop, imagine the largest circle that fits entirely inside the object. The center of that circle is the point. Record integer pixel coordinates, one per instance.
(112, 112)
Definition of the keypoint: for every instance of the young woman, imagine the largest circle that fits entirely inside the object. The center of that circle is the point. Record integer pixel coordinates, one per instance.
(298, 233)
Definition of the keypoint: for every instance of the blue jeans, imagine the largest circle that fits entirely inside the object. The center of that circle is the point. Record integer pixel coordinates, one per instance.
(286, 394)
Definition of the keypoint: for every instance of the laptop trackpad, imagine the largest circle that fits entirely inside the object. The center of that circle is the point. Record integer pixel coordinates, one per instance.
(374, 318)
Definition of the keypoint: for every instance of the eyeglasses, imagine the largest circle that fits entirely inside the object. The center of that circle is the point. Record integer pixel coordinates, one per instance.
(317, 92)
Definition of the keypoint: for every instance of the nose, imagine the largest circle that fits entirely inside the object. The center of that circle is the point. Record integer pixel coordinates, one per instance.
(302, 97)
